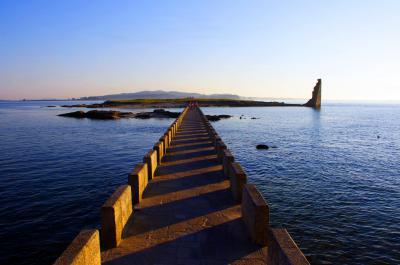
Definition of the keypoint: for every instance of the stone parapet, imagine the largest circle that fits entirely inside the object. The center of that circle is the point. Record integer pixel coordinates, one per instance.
(138, 180)
(220, 146)
(164, 140)
(115, 212)
(151, 160)
(83, 250)
(255, 213)
(227, 159)
(159, 148)
(282, 250)
(237, 178)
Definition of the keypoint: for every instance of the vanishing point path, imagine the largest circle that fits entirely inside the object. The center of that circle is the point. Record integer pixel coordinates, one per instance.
(187, 214)
(187, 203)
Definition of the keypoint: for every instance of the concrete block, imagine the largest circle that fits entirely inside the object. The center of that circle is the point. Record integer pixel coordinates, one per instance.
(164, 140)
(213, 135)
(83, 250)
(255, 214)
(238, 179)
(151, 160)
(227, 159)
(138, 180)
(216, 139)
(166, 143)
(159, 147)
(220, 147)
(282, 250)
(115, 212)
(170, 135)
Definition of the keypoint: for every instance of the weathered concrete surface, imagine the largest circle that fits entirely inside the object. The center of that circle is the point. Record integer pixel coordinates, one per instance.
(115, 212)
(151, 160)
(138, 180)
(227, 159)
(220, 147)
(283, 250)
(159, 147)
(237, 178)
(255, 212)
(187, 214)
(83, 250)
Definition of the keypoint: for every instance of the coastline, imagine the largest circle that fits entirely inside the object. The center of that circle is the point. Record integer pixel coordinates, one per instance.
(181, 103)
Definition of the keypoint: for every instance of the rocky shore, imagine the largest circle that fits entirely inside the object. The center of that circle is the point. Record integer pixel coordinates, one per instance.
(98, 114)
(114, 115)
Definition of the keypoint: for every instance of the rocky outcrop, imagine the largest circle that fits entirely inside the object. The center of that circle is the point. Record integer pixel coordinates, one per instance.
(75, 114)
(157, 113)
(315, 101)
(262, 146)
(217, 117)
(99, 114)
(113, 115)
(165, 113)
(91, 106)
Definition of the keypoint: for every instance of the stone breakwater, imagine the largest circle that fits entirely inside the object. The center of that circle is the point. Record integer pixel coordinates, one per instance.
(187, 203)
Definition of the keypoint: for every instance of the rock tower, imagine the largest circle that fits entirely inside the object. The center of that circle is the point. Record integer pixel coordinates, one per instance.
(315, 101)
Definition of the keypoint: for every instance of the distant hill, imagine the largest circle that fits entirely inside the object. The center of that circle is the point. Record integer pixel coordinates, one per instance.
(159, 94)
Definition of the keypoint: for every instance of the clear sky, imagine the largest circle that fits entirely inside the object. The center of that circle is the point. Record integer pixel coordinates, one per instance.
(58, 49)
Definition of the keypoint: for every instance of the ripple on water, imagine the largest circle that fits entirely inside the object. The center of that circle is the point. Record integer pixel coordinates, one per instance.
(330, 182)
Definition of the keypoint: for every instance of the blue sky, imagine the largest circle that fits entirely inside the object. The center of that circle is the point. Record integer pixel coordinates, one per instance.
(252, 48)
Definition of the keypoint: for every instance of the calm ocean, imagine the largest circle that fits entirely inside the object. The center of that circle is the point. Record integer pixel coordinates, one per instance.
(333, 179)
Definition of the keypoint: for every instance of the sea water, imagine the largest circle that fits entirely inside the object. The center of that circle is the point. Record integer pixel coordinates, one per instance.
(331, 176)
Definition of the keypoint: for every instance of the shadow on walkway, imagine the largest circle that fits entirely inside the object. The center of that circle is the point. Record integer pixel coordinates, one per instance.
(224, 243)
(187, 215)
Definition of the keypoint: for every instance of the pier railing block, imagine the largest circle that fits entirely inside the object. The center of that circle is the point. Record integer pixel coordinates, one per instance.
(220, 147)
(213, 135)
(170, 135)
(115, 212)
(164, 140)
(282, 250)
(217, 138)
(151, 160)
(159, 147)
(227, 159)
(138, 180)
(83, 250)
(255, 213)
(238, 179)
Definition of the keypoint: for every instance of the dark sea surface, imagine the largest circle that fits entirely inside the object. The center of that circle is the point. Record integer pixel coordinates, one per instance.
(333, 179)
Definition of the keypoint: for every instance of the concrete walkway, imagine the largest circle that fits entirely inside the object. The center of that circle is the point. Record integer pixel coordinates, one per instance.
(188, 215)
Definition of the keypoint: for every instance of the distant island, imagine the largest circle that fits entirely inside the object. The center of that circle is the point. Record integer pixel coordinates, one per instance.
(159, 94)
(151, 100)
(179, 103)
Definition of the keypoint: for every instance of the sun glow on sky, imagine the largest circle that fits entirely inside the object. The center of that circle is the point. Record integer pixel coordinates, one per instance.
(62, 49)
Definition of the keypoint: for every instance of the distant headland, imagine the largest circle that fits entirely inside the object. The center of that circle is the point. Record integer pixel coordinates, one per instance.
(158, 94)
(221, 100)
